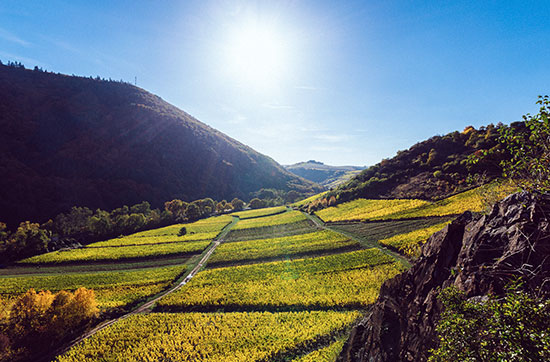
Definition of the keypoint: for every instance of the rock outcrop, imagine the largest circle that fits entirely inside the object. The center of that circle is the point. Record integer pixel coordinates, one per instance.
(479, 255)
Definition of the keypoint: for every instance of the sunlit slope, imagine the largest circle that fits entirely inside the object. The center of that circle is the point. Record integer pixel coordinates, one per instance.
(475, 200)
(214, 337)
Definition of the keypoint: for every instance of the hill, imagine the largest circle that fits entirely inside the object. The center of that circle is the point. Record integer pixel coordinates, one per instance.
(69, 141)
(432, 169)
(328, 176)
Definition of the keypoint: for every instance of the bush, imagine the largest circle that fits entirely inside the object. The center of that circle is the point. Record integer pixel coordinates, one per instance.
(529, 147)
(182, 231)
(513, 328)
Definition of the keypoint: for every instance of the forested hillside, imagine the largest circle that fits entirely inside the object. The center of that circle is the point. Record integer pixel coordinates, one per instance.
(72, 141)
(432, 169)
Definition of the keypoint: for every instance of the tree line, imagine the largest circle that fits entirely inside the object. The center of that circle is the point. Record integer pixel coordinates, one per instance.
(81, 225)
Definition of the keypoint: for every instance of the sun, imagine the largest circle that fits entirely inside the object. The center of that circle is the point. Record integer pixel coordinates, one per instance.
(256, 54)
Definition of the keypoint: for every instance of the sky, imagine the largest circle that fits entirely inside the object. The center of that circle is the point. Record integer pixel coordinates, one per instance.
(342, 82)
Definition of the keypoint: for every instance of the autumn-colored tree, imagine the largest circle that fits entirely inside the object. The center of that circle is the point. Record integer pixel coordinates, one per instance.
(220, 206)
(176, 207)
(37, 321)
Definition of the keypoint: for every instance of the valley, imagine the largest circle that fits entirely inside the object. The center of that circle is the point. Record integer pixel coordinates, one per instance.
(274, 284)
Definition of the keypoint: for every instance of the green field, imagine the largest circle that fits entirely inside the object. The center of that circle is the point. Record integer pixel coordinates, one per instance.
(288, 246)
(216, 337)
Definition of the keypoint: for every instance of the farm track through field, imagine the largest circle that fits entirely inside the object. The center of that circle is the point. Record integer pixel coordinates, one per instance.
(363, 241)
(147, 306)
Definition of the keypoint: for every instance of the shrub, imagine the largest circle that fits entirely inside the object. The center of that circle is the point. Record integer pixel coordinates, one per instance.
(513, 328)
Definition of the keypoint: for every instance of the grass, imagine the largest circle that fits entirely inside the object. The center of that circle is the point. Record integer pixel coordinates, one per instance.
(308, 200)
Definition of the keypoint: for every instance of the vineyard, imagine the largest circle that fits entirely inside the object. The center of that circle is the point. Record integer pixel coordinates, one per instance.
(231, 337)
(287, 246)
(272, 220)
(112, 288)
(476, 200)
(250, 214)
(280, 286)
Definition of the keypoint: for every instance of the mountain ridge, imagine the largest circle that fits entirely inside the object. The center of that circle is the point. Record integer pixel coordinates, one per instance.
(326, 175)
(78, 141)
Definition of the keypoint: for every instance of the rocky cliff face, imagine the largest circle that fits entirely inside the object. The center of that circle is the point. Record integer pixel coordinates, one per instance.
(478, 255)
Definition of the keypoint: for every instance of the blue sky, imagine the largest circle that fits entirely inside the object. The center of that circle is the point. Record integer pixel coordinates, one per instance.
(348, 82)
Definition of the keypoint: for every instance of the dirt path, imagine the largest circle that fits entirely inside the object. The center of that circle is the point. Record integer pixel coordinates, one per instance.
(148, 306)
(319, 223)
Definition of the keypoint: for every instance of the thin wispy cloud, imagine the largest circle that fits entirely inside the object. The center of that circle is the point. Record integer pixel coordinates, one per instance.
(9, 36)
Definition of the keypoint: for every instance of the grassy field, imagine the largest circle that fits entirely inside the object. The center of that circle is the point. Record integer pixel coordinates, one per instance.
(287, 246)
(216, 337)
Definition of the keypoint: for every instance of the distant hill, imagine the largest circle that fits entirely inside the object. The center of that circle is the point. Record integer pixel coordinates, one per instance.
(69, 141)
(328, 176)
(431, 169)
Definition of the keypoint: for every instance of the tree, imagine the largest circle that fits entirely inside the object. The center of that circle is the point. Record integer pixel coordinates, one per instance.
(237, 204)
(176, 207)
(529, 147)
(513, 328)
(141, 208)
(193, 211)
(30, 239)
(256, 203)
